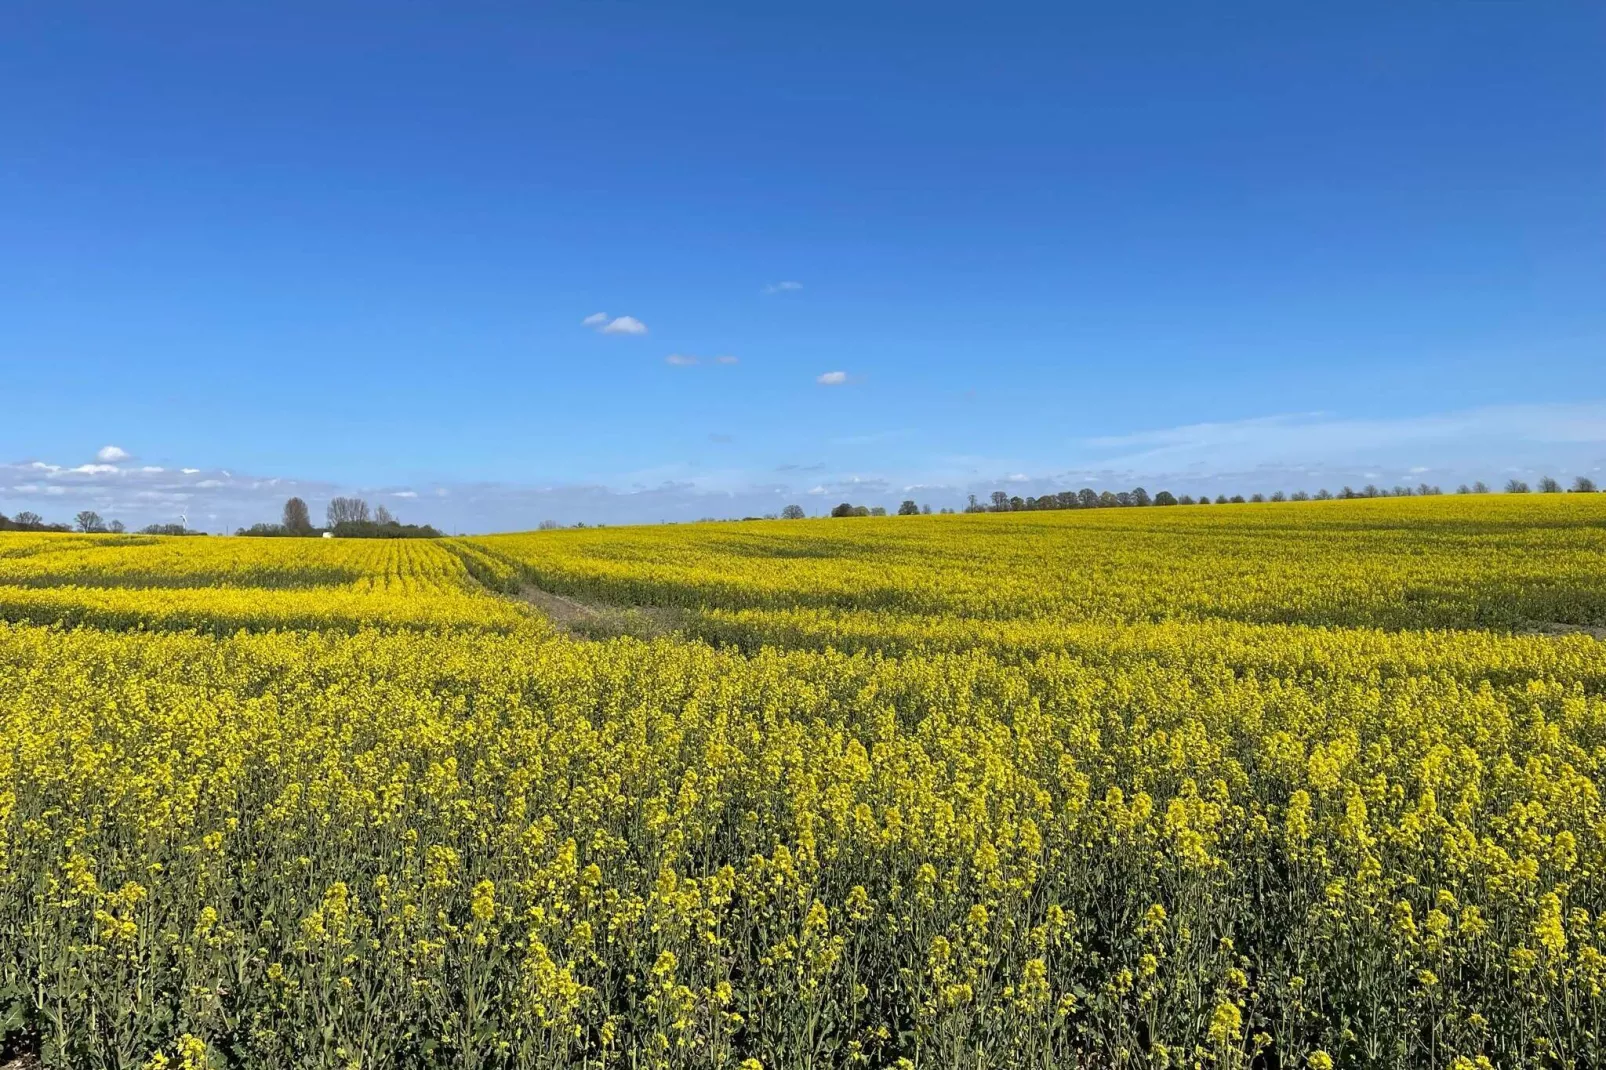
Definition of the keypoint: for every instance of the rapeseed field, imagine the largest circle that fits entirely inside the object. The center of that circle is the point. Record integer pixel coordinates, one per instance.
(1266, 785)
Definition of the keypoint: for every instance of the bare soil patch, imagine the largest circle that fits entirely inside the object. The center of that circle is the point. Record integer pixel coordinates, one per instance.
(600, 620)
(1556, 628)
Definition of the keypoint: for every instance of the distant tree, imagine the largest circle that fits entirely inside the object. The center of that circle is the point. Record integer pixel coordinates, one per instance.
(1516, 486)
(1279, 496)
(383, 516)
(347, 511)
(26, 519)
(1583, 485)
(1141, 497)
(1108, 500)
(792, 512)
(1325, 495)
(1124, 498)
(297, 521)
(1186, 499)
(1067, 499)
(845, 509)
(1165, 497)
(1016, 503)
(548, 525)
(1371, 491)
(908, 508)
(1299, 496)
(925, 510)
(1237, 499)
(1480, 487)
(116, 527)
(1221, 499)
(879, 510)
(89, 521)
(1257, 497)
(1000, 501)
(1549, 486)
(1087, 498)
(1463, 489)
(1402, 492)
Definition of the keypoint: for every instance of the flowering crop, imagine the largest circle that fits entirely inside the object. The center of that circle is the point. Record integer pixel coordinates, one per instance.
(1302, 783)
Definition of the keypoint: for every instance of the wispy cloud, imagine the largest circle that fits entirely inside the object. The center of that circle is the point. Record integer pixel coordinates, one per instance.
(785, 286)
(832, 379)
(686, 360)
(625, 325)
(599, 321)
(111, 454)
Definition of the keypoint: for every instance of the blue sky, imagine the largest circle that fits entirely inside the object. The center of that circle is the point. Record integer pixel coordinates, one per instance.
(352, 247)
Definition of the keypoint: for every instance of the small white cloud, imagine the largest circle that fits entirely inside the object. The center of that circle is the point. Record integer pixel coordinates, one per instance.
(726, 360)
(1017, 477)
(111, 454)
(681, 360)
(816, 490)
(153, 468)
(1418, 470)
(832, 379)
(189, 471)
(94, 469)
(625, 325)
(596, 319)
(209, 483)
(782, 287)
(406, 494)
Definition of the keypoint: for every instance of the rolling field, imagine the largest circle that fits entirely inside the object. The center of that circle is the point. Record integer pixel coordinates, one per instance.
(1294, 785)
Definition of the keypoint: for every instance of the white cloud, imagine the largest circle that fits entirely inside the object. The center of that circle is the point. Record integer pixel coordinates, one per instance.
(112, 454)
(726, 360)
(94, 469)
(625, 325)
(816, 490)
(189, 471)
(405, 494)
(153, 468)
(783, 287)
(832, 379)
(596, 319)
(682, 360)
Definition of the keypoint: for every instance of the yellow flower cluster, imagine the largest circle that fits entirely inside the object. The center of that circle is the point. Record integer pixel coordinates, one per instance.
(1296, 785)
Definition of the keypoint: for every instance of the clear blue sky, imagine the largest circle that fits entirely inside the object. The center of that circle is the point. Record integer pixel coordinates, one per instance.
(352, 246)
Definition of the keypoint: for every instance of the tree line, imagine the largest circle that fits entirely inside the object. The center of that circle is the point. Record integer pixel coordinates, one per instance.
(87, 522)
(1088, 498)
(347, 518)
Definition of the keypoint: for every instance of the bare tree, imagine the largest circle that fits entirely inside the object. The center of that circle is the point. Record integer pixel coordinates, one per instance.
(297, 521)
(347, 511)
(382, 516)
(1549, 486)
(1480, 487)
(1516, 486)
(1583, 485)
(116, 527)
(27, 519)
(792, 512)
(88, 521)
